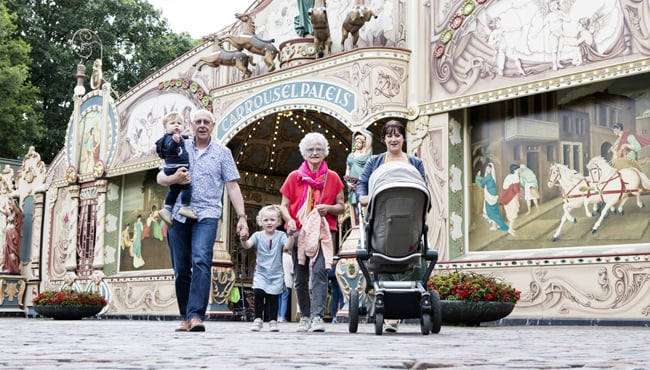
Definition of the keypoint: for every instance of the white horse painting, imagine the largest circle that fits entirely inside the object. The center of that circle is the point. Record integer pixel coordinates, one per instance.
(605, 186)
(577, 191)
(619, 184)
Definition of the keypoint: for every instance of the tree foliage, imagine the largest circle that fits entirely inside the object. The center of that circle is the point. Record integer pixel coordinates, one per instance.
(19, 102)
(135, 42)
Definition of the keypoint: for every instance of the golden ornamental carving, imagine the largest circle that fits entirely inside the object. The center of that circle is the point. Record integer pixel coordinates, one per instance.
(98, 169)
(71, 174)
(223, 279)
(12, 291)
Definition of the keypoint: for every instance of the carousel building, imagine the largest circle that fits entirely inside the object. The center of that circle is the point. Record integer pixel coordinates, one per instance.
(525, 88)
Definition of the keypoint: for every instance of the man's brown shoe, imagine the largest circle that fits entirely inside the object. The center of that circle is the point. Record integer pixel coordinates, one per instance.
(196, 324)
(184, 326)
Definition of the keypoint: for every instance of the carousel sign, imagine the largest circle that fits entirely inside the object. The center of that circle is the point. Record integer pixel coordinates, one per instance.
(320, 91)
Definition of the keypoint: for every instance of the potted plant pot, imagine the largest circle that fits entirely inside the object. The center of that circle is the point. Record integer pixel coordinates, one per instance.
(68, 304)
(470, 298)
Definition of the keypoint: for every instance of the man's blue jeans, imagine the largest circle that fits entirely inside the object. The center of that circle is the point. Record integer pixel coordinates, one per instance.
(190, 245)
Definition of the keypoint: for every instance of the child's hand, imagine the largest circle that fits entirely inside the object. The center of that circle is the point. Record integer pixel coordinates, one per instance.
(176, 137)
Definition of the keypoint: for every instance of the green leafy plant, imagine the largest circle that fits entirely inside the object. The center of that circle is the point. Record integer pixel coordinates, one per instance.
(69, 298)
(472, 287)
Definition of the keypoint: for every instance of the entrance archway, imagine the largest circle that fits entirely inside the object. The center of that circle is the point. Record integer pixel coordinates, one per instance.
(266, 151)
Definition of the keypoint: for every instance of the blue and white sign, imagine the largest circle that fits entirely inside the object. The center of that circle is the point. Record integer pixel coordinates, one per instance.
(313, 90)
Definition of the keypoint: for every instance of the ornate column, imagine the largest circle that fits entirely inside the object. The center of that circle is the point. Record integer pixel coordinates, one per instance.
(98, 253)
(348, 273)
(35, 248)
(70, 250)
(223, 275)
(223, 280)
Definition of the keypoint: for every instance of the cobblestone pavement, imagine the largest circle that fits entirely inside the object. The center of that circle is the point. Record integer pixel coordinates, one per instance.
(141, 344)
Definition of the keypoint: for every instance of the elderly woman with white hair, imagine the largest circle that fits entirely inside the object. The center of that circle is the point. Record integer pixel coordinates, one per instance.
(312, 198)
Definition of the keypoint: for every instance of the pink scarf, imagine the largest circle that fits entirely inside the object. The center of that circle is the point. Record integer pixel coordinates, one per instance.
(313, 185)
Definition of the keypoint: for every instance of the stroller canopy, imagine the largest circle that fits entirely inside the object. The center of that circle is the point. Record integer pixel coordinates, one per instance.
(397, 174)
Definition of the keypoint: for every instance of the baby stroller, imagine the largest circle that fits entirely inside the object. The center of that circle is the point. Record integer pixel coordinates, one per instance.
(395, 242)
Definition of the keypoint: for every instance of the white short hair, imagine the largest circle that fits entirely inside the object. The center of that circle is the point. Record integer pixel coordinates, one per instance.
(203, 111)
(314, 138)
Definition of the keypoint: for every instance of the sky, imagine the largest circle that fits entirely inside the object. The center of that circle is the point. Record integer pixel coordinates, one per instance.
(200, 17)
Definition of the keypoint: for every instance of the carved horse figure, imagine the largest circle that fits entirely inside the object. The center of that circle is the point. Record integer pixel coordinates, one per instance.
(356, 18)
(236, 58)
(618, 183)
(250, 41)
(321, 26)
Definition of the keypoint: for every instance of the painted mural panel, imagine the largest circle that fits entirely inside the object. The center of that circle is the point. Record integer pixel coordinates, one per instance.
(141, 124)
(488, 45)
(143, 234)
(89, 141)
(561, 169)
(63, 247)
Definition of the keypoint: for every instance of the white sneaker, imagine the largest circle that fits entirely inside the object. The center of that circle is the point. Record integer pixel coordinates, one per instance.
(273, 326)
(303, 325)
(166, 216)
(188, 212)
(391, 326)
(257, 325)
(317, 324)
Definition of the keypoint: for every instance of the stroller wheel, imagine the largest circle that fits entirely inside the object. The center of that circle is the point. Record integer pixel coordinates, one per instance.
(353, 324)
(436, 312)
(425, 323)
(379, 323)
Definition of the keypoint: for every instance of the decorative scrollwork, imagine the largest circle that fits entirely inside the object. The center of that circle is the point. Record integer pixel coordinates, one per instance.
(84, 41)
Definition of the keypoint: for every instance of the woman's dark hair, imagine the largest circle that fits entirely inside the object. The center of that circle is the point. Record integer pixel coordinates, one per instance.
(391, 127)
(618, 126)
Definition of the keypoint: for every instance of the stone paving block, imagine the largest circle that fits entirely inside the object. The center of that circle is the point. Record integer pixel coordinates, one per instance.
(140, 344)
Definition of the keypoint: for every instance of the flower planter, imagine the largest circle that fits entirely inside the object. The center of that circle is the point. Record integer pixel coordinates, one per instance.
(67, 312)
(473, 313)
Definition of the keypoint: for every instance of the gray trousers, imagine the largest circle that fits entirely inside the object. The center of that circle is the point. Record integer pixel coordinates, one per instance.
(311, 293)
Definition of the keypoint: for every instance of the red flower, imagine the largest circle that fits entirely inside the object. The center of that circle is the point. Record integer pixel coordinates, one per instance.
(69, 298)
(470, 287)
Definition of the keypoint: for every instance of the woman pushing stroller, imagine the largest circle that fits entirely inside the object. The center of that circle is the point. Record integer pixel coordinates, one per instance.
(393, 135)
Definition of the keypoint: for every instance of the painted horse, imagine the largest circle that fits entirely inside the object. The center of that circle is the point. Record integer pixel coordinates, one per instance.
(356, 18)
(321, 26)
(577, 191)
(250, 41)
(236, 58)
(617, 184)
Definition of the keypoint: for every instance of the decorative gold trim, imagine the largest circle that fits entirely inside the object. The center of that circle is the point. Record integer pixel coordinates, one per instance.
(542, 261)
(310, 68)
(531, 88)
